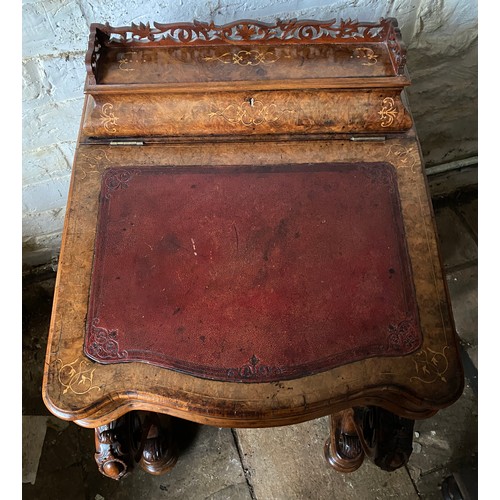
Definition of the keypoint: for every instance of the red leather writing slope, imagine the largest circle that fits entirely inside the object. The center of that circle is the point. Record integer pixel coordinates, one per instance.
(251, 274)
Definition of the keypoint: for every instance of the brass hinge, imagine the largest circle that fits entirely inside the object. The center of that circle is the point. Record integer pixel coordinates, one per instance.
(126, 143)
(368, 138)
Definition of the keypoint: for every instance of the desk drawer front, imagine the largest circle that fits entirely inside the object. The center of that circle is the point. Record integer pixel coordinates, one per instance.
(246, 113)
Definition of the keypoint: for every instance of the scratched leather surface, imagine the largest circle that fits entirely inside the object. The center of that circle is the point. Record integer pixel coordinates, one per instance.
(251, 274)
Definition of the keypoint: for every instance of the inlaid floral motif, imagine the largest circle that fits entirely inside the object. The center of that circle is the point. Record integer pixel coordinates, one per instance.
(366, 54)
(131, 61)
(245, 58)
(77, 376)
(407, 157)
(388, 112)
(430, 365)
(250, 113)
(108, 118)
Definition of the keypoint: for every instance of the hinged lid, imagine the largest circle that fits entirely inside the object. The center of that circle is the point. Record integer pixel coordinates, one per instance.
(251, 274)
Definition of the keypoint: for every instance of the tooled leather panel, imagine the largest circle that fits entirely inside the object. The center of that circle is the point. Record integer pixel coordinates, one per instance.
(251, 274)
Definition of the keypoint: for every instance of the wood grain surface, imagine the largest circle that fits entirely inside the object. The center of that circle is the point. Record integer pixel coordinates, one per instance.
(415, 386)
(247, 93)
(245, 113)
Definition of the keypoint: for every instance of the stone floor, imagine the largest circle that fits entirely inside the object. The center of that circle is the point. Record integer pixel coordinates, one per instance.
(281, 463)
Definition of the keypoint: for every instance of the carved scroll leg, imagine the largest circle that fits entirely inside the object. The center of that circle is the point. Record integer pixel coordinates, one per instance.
(386, 438)
(159, 452)
(113, 455)
(343, 449)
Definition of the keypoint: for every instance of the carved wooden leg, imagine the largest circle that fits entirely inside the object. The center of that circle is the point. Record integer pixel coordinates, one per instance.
(343, 449)
(112, 443)
(138, 436)
(159, 453)
(386, 438)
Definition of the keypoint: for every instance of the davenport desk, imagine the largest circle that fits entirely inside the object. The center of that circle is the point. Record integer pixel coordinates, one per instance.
(249, 242)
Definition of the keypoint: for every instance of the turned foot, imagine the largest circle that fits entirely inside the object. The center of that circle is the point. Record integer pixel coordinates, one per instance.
(343, 449)
(143, 437)
(159, 453)
(386, 438)
(113, 449)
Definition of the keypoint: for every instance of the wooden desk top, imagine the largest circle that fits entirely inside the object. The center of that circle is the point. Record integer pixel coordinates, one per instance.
(347, 110)
(415, 384)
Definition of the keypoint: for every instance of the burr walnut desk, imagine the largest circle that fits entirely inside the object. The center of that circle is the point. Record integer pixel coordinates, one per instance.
(249, 242)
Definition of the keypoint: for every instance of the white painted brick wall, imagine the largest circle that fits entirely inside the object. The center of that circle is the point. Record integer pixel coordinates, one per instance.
(441, 36)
